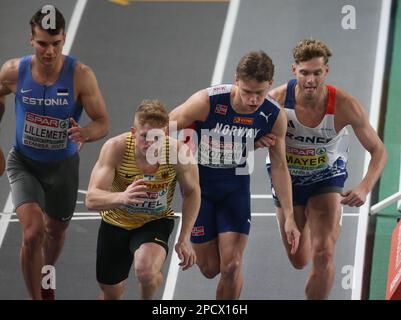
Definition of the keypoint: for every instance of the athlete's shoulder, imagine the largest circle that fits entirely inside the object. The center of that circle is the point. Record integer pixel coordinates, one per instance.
(83, 70)
(279, 93)
(219, 89)
(116, 144)
(344, 99)
(9, 70)
(272, 101)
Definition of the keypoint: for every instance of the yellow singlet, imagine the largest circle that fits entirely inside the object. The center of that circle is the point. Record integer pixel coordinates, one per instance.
(160, 190)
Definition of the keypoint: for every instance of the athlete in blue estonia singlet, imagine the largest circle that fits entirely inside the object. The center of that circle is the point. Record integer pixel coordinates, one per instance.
(43, 112)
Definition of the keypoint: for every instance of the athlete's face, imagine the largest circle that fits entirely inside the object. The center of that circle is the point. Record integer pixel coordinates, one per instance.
(252, 93)
(311, 76)
(48, 48)
(147, 136)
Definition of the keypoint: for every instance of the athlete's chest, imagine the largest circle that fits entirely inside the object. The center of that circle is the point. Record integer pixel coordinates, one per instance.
(309, 117)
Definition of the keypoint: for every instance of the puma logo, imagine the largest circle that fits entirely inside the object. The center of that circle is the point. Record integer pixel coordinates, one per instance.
(265, 116)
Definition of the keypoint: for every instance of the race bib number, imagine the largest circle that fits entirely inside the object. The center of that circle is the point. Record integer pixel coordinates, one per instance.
(43, 132)
(218, 154)
(155, 203)
(306, 161)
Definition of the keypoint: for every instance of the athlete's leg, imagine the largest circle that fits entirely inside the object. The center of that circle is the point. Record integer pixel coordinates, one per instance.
(61, 198)
(54, 239)
(31, 256)
(301, 258)
(204, 238)
(232, 246)
(148, 262)
(111, 291)
(113, 260)
(208, 258)
(324, 215)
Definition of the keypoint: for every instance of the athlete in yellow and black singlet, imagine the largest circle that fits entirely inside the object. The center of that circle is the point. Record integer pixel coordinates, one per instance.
(160, 190)
(133, 225)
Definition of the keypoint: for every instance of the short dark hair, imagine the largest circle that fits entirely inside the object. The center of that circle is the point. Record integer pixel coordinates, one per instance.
(255, 65)
(36, 21)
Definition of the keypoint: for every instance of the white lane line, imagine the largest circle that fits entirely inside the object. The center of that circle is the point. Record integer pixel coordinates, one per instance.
(73, 218)
(374, 120)
(73, 25)
(90, 215)
(5, 213)
(171, 278)
(5, 219)
(225, 42)
(71, 32)
(261, 196)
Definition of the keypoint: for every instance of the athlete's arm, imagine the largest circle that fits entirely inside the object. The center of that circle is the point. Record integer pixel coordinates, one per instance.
(89, 95)
(353, 113)
(269, 139)
(196, 108)
(188, 178)
(282, 180)
(8, 81)
(99, 196)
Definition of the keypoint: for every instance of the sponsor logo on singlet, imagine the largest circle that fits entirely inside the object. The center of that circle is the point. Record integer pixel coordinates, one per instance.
(243, 120)
(311, 159)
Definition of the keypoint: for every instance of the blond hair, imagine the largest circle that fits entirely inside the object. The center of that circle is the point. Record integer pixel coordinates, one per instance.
(152, 112)
(308, 49)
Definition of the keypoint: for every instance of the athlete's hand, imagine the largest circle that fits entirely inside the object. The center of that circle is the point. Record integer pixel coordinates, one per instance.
(186, 254)
(134, 193)
(78, 134)
(266, 141)
(354, 197)
(292, 233)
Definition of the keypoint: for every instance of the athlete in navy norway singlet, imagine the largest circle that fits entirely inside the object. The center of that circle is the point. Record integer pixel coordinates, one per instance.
(225, 138)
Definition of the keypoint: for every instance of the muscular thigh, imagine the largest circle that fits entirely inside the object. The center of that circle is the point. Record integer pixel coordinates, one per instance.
(114, 257)
(25, 187)
(324, 215)
(61, 189)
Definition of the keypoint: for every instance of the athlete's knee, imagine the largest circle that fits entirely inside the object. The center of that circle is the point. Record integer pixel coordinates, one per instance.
(209, 271)
(231, 269)
(33, 238)
(55, 234)
(209, 267)
(323, 255)
(298, 262)
(145, 273)
(111, 292)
